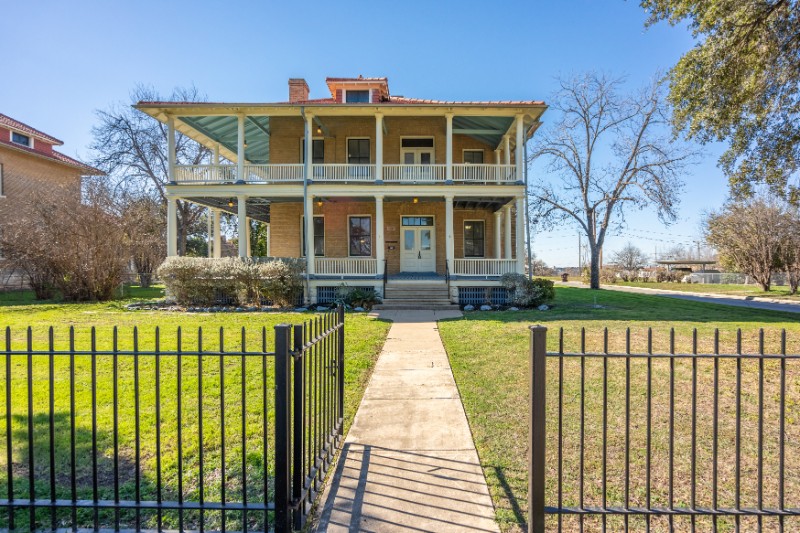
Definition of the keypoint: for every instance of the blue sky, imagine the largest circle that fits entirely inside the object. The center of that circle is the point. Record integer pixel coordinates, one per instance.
(63, 60)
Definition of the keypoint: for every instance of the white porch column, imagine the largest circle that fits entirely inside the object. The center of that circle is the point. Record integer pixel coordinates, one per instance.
(498, 234)
(209, 231)
(217, 236)
(507, 217)
(171, 148)
(378, 147)
(215, 161)
(450, 248)
(507, 149)
(520, 236)
(240, 151)
(497, 156)
(172, 226)
(380, 246)
(309, 221)
(519, 149)
(449, 149)
(247, 235)
(309, 144)
(241, 202)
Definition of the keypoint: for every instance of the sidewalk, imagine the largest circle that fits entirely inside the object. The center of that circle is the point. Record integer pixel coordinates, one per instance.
(409, 462)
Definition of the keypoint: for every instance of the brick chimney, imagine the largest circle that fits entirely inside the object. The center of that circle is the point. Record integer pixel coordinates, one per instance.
(298, 90)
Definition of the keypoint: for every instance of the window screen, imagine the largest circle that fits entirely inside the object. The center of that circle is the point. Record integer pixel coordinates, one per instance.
(317, 151)
(20, 139)
(319, 236)
(357, 97)
(473, 238)
(361, 236)
(473, 156)
(358, 151)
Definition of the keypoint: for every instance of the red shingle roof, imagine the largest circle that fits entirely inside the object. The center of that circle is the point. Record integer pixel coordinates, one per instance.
(9, 122)
(55, 156)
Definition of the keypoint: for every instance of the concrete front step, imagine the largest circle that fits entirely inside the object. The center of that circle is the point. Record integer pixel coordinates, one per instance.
(415, 307)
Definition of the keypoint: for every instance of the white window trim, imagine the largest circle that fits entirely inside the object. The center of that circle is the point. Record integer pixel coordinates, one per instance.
(371, 236)
(347, 147)
(28, 135)
(464, 238)
(313, 138)
(324, 236)
(344, 96)
(465, 150)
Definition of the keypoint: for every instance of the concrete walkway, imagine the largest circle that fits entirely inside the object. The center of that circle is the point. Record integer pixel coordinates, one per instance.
(751, 302)
(409, 462)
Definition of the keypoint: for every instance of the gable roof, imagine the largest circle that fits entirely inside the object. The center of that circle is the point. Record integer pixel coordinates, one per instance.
(13, 124)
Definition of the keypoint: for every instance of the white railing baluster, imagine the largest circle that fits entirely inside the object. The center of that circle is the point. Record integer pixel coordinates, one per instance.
(484, 267)
(346, 266)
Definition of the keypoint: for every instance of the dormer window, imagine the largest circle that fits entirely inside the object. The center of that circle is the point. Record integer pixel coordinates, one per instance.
(19, 138)
(357, 97)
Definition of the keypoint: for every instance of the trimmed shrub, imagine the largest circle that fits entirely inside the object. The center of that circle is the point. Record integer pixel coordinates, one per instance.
(355, 297)
(203, 281)
(526, 292)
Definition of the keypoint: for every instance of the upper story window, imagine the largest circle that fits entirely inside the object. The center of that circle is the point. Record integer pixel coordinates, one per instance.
(357, 97)
(358, 151)
(473, 156)
(19, 138)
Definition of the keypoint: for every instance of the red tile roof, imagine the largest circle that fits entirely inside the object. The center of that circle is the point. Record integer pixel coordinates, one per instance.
(9, 122)
(392, 100)
(360, 78)
(55, 156)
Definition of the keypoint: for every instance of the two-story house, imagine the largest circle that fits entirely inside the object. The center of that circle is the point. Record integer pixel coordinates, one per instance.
(29, 163)
(416, 199)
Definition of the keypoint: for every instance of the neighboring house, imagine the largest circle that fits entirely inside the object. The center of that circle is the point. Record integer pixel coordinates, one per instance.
(421, 197)
(28, 163)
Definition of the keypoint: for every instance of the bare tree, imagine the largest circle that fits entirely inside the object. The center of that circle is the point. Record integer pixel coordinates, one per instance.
(789, 254)
(749, 236)
(630, 258)
(144, 221)
(607, 153)
(131, 148)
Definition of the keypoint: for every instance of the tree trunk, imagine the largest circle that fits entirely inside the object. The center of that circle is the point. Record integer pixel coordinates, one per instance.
(793, 280)
(594, 266)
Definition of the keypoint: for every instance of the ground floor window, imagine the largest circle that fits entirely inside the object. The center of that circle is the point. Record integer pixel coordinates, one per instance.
(360, 236)
(474, 157)
(417, 221)
(319, 236)
(474, 236)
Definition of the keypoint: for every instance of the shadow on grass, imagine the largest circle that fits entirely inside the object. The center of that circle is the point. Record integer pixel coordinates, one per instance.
(128, 292)
(519, 516)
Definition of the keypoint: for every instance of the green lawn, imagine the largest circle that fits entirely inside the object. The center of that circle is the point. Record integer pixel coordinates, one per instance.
(715, 288)
(489, 356)
(364, 338)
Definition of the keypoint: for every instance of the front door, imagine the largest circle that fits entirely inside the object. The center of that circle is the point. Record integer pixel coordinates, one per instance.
(417, 160)
(417, 249)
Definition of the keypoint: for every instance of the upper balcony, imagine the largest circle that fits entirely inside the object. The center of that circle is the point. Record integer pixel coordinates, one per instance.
(418, 174)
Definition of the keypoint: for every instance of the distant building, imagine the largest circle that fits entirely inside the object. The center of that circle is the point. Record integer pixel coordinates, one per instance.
(28, 163)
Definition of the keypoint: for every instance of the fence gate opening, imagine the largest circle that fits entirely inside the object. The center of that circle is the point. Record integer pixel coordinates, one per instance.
(172, 431)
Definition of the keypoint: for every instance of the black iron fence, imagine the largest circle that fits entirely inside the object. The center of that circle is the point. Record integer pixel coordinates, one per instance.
(683, 441)
(174, 431)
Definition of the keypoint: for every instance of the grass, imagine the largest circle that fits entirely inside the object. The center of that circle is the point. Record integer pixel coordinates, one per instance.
(364, 338)
(716, 288)
(489, 357)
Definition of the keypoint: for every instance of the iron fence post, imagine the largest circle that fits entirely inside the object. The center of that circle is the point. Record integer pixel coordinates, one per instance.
(536, 435)
(340, 363)
(299, 392)
(283, 457)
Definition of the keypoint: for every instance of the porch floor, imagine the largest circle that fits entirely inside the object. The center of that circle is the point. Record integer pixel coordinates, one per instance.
(416, 276)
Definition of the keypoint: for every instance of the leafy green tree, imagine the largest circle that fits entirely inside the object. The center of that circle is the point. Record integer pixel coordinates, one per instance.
(741, 84)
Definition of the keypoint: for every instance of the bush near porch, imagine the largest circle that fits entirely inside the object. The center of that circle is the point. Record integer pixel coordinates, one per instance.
(201, 280)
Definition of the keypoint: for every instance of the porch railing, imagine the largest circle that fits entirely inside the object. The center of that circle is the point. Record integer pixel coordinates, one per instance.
(414, 173)
(346, 266)
(273, 173)
(484, 173)
(205, 173)
(342, 172)
(484, 267)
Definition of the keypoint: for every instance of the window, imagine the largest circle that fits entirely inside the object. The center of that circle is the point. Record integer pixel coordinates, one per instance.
(425, 142)
(319, 236)
(358, 151)
(357, 97)
(360, 236)
(473, 238)
(317, 151)
(473, 156)
(1, 180)
(20, 139)
(417, 221)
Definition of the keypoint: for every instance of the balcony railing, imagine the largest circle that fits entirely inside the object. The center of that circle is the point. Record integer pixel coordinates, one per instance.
(346, 266)
(345, 173)
(484, 267)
